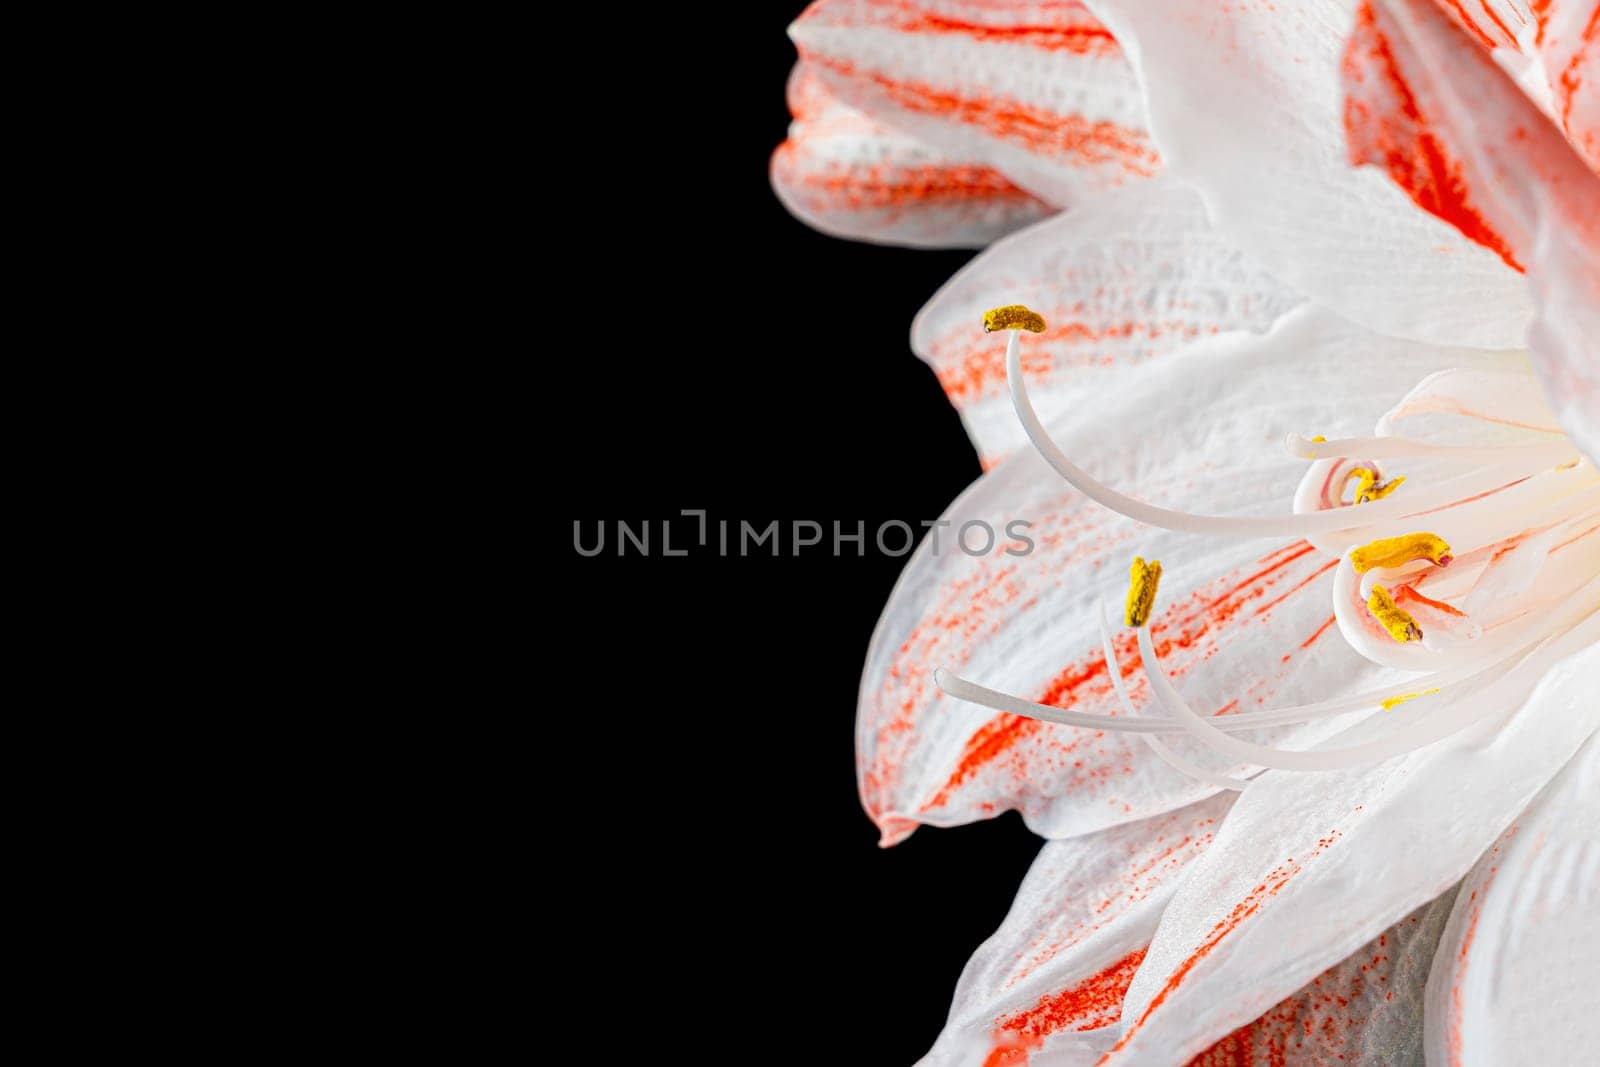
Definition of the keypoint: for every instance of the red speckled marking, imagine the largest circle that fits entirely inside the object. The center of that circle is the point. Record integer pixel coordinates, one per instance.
(992, 739)
(1269, 887)
(1384, 126)
(966, 607)
(1179, 838)
(1092, 1003)
(1318, 1025)
(1182, 625)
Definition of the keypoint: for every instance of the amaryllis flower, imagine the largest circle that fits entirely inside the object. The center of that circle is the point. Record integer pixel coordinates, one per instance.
(1319, 330)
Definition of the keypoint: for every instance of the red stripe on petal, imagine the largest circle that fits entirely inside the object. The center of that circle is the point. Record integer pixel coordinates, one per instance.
(1090, 1004)
(1334, 1016)
(1500, 37)
(1068, 137)
(1050, 27)
(1385, 127)
(1571, 82)
(1184, 625)
(1275, 881)
(1269, 887)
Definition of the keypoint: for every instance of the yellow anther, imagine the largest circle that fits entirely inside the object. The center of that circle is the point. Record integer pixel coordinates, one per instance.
(1012, 317)
(1401, 626)
(1319, 439)
(1143, 580)
(1368, 486)
(1394, 702)
(1398, 551)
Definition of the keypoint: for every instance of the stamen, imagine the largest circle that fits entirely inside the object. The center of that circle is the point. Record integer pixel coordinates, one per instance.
(1392, 552)
(1443, 494)
(1395, 702)
(1451, 710)
(1477, 673)
(1144, 578)
(1401, 626)
(1013, 317)
(1368, 487)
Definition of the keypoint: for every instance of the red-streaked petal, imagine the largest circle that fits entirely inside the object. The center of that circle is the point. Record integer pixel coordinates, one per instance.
(1307, 867)
(1440, 117)
(1550, 47)
(1569, 45)
(1245, 103)
(1241, 622)
(844, 174)
(1057, 967)
(1515, 977)
(1037, 89)
(1493, 23)
(1138, 274)
(1365, 1009)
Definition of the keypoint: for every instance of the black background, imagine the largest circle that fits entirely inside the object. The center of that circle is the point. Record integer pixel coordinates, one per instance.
(702, 787)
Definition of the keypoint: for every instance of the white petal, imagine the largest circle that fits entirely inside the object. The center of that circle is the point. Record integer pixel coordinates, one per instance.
(1039, 90)
(847, 175)
(1473, 408)
(1517, 971)
(1137, 274)
(1059, 964)
(1307, 867)
(1244, 101)
(1446, 122)
(1366, 1009)
(1243, 622)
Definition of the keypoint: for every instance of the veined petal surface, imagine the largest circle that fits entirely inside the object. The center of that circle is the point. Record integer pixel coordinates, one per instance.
(1138, 274)
(1244, 102)
(848, 175)
(1366, 1009)
(1515, 977)
(1056, 970)
(1037, 88)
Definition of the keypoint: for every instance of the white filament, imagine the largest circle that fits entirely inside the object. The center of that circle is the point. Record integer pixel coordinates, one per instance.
(1435, 715)
(1162, 750)
(1485, 669)
(1226, 526)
